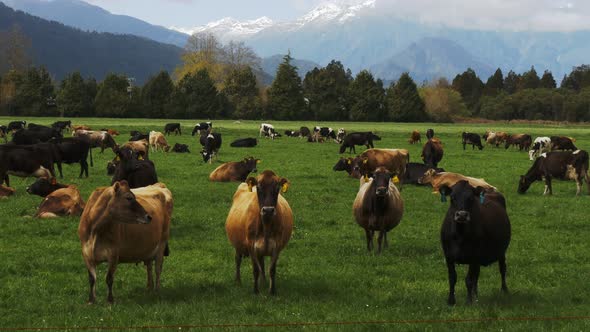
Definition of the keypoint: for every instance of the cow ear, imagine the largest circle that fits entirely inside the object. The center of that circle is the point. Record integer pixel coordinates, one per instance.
(117, 187)
(251, 181)
(284, 185)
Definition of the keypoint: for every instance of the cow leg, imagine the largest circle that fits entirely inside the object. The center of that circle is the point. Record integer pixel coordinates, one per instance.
(502, 266)
(61, 175)
(111, 278)
(159, 264)
(369, 235)
(380, 241)
(255, 270)
(471, 282)
(238, 260)
(273, 271)
(464, 145)
(262, 269)
(149, 269)
(91, 281)
(6, 179)
(548, 188)
(452, 281)
(579, 185)
(386, 243)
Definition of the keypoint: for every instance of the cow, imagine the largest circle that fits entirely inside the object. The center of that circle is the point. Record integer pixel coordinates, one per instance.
(234, 171)
(111, 132)
(260, 223)
(415, 137)
(523, 141)
(244, 143)
(351, 140)
(344, 164)
(60, 203)
(158, 142)
(561, 165)
(80, 127)
(62, 125)
(340, 135)
(378, 207)
(304, 132)
(180, 148)
(540, 146)
(395, 160)
(439, 179)
(172, 128)
(34, 126)
(137, 136)
(6, 191)
(325, 132)
(206, 126)
(43, 187)
(562, 143)
(432, 152)
(471, 138)
(36, 135)
(415, 171)
(429, 133)
(211, 144)
(141, 147)
(137, 172)
(100, 139)
(75, 150)
(315, 138)
(268, 130)
(292, 133)
(4, 133)
(23, 161)
(124, 225)
(16, 125)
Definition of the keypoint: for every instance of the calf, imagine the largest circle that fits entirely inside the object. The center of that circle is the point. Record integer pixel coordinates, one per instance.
(60, 203)
(353, 139)
(244, 143)
(43, 187)
(123, 225)
(395, 160)
(562, 165)
(540, 146)
(378, 207)
(432, 153)
(562, 143)
(449, 179)
(234, 171)
(259, 224)
(523, 141)
(158, 142)
(475, 232)
(473, 139)
(16, 125)
(138, 173)
(180, 148)
(429, 133)
(415, 171)
(206, 126)
(211, 144)
(268, 130)
(172, 128)
(415, 137)
(62, 125)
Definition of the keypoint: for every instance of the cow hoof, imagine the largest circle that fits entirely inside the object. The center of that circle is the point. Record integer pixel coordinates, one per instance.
(451, 301)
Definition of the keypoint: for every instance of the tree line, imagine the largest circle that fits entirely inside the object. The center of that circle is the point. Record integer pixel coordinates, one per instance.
(218, 81)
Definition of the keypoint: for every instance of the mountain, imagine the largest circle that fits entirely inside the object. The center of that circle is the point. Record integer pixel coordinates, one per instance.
(63, 50)
(84, 16)
(271, 64)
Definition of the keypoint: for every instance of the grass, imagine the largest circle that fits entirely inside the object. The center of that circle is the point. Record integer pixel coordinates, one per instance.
(325, 274)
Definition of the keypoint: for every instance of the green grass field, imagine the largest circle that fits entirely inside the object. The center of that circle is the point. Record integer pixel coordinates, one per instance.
(325, 275)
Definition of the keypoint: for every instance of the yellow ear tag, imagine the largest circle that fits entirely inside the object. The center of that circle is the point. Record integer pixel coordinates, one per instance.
(249, 187)
(395, 179)
(365, 161)
(258, 161)
(366, 178)
(140, 157)
(350, 162)
(117, 158)
(285, 187)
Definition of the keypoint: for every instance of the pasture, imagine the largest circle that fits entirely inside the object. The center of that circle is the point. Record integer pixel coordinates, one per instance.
(325, 275)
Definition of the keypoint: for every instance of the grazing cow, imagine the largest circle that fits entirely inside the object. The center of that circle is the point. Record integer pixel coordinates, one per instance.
(100, 139)
(211, 144)
(180, 148)
(260, 223)
(473, 139)
(561, 165)
(80, 127)
(60, 203)
(378, 207)
(138, 173)
(6, 191)
(62, 125)
(37, 135)
(234, 171)
(340, 135)
(137, 136)
(415, 137)
(111, 132)
(562, 143)
(429, 133)
(172, 128)
(158, 142)
(523, 141)
(439, 179)
(244, 143)
(475, 232)
(540, 145)
(4, 133)
(292, 133)
(395, 160)
(268, 130)
(75, 150)
(16, 125)
(123, 225)
(141, 147)
(24, 161)
(304, 132)
(415, 171)
(432, 153)
(344, 164)
(206, 126)
(491, 138)
(325, 132)
(315, 137)
(353, 139)
(43, 187)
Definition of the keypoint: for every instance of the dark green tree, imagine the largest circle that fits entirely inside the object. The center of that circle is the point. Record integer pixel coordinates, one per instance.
(547, 81)
(241, 91)
(495, 84)
(285, 95)
(367, 98)
(76, 96)
(156, 94)
(113, 99)
(470, 87)
(578, 79)
(529, 80)
(511, 82)
(326, 91)
(195, 97)
(33, 93)
(404, 102)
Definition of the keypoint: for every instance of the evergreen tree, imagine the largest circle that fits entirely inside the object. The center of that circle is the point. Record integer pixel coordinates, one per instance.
(495, 84)
(285, 95)
(33, 93)
(241, 90)
(75, 97)
(367, 98)
(529, 80)
(511, 82)
(470, 87)
(326, 90)
(156, 94)
(547, 81)
(578, 79)
(195, 97)
(404, 102)
(113, 98)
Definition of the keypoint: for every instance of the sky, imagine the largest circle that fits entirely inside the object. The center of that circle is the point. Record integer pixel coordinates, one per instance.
(548, 15)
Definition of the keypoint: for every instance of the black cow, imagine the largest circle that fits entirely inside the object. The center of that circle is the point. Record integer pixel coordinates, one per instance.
(138, 173)
(75, 150)
(137, 136)
(43, 187)
(180, 148)
(172, 128)
(415, 171)
(37, 135)
(475, 232)
(292, 133)
(211, 144)
(353, 139)
(34, 126)
(16, 125)
(562, 165)
(62, 125)
(562, 143)
(325, 132)
(344, 164)
(24, 161)
(473, 139)
(244, 143)
(432, 153)
(206, 126)
(430, 133)
(304, 132)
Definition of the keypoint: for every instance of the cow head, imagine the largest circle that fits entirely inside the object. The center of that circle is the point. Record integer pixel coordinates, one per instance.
(268, 186)
(250, 164)
(344, 164)
(427, 177)
(124, 208)
(43, 187)
(524, 184)
(381, 181)
(375, 137)
(127, 157)
(359, 167)
(465, 199)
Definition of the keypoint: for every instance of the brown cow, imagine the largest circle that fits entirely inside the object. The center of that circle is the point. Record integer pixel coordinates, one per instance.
(432, 152)
(79, 127)
(415, 137)
(141, 147)
(6, 191)
(234, 171)
(378, 206)
(120, 225)
(260, 223)
(449, 179)
(523, 141)
(60, 203)
(395, 160)
(158, 142)
(111, 132)
(100, 139)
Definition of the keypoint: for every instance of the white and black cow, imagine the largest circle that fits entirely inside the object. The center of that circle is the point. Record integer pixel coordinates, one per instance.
(206, 126)
(540, 146)
(211, 144)
(268, 130)
(340, 135)
(325, 132)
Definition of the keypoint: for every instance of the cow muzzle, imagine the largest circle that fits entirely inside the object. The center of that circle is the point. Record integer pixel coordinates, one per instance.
(145, 220)
(267, 211)
(381, 191)
(462, 216)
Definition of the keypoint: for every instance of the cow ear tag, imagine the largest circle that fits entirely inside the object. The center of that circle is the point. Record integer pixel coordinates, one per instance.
(365, 161)
(249, 187)
(481, 197)
(258, 161)
(139, 157)
(117, 158)
(443, 198)
(366, 178)
(395, 179)
(350, 162)
(285, 187)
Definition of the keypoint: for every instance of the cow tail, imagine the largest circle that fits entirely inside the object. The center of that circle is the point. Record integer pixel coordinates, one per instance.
(167, 250)
(91, 161)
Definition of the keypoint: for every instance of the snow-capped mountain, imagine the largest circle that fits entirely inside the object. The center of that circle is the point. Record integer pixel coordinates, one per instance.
(229, 28)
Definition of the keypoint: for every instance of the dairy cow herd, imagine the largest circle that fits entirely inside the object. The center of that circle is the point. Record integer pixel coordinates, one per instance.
(129, 221)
